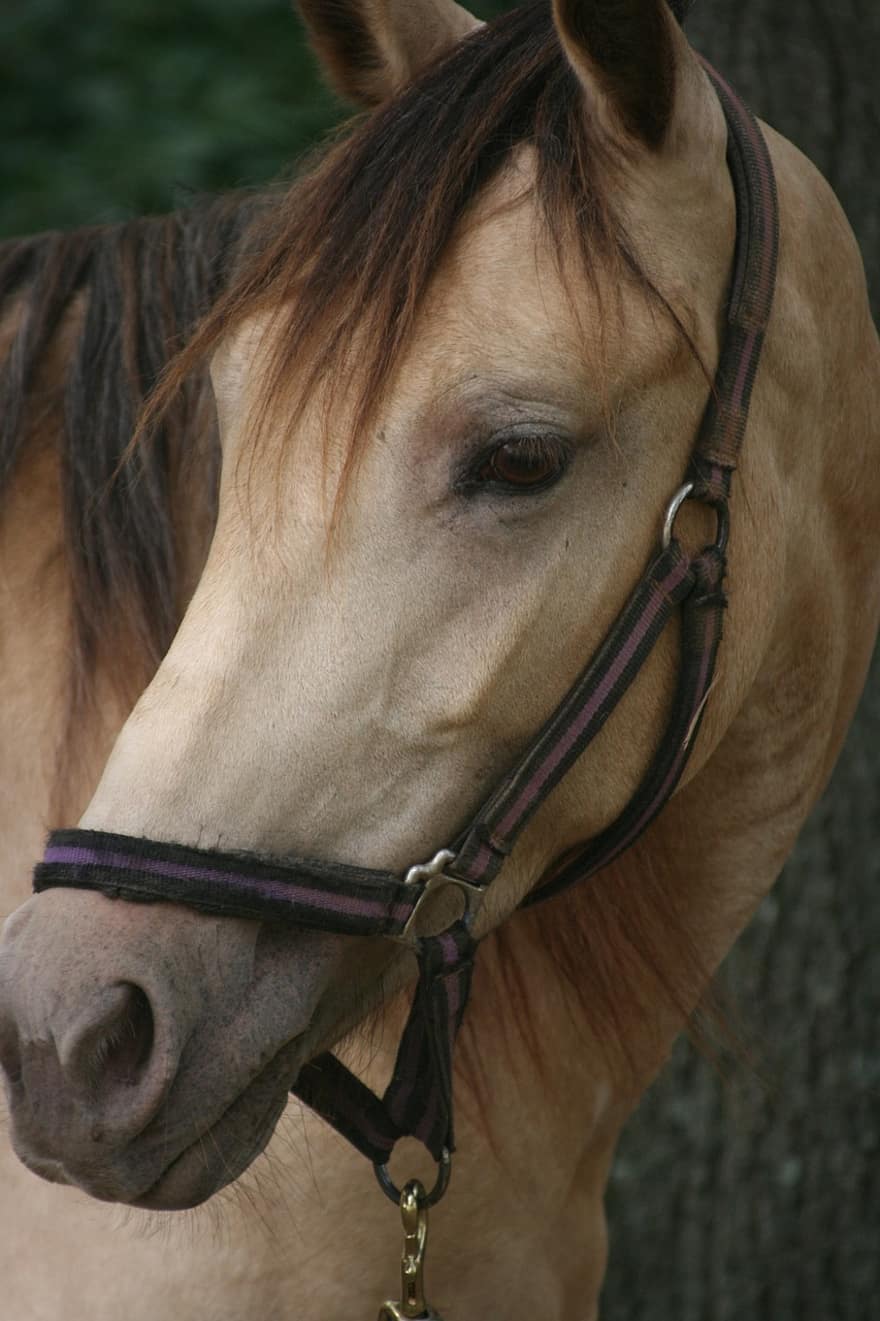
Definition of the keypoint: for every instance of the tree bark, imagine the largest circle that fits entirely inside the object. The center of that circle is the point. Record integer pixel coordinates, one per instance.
(760, 1197)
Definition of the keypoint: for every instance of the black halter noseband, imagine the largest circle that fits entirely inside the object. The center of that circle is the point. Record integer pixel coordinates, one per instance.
(343, 899)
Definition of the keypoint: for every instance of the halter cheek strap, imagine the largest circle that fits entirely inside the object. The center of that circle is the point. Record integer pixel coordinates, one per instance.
(368, 902)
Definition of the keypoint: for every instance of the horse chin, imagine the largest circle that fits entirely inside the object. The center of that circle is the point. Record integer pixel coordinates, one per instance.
(205, 1165)
(225, 1150)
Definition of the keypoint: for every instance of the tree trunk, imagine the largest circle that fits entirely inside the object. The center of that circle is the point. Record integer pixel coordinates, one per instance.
(760, 1198)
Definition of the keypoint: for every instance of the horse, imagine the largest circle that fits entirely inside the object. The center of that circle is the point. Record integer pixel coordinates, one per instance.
(417, 420)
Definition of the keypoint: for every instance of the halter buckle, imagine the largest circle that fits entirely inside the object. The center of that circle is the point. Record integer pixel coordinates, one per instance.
(435, 878)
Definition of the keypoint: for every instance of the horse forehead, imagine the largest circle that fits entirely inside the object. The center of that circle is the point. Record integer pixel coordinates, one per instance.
(505, 292)
(499, 300)
(501, 272)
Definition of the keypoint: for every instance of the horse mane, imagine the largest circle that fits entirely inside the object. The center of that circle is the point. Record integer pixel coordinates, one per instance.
(97, 315)
(343, 261)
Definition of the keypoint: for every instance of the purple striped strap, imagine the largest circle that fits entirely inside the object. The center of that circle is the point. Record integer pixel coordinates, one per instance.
(701, 625)
(349, 900)
(358, 900)
(577, 720)
(419, 1096)
(671, 578)
(326, 1086)
(418, 1100)
(750, 298)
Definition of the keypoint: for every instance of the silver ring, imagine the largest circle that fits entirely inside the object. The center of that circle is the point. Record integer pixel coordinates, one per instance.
(674, 505)
(441, 1183)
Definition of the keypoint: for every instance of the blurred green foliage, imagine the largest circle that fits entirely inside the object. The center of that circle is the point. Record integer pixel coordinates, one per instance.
(118, 107)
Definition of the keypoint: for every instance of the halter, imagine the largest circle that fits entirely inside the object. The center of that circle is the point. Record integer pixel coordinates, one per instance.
(352, 900)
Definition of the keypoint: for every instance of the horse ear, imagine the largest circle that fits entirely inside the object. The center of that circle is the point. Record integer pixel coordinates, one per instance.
(371, 48)
(626, 55)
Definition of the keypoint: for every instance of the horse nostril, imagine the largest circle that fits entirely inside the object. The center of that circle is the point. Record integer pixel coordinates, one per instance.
(114, 1049)
(123, 1053)
(10, 1053)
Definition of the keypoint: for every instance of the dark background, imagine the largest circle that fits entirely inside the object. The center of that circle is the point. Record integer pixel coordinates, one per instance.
(758, 1198)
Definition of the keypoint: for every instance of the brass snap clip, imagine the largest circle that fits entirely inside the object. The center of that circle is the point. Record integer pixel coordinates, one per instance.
(414, 1215)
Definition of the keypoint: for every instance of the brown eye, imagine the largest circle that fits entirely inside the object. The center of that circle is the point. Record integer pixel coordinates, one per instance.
(523, 463)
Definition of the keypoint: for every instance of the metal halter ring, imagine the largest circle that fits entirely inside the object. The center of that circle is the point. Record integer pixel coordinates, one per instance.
(684, 493)
(441, 1183)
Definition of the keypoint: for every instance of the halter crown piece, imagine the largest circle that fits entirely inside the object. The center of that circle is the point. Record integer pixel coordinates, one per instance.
(365, 902)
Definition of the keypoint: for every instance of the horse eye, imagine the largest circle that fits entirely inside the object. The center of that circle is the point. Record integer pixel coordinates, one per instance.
(523, 464)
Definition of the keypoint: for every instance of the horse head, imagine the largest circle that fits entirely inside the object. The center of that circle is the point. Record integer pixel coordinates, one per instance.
(458, 377)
